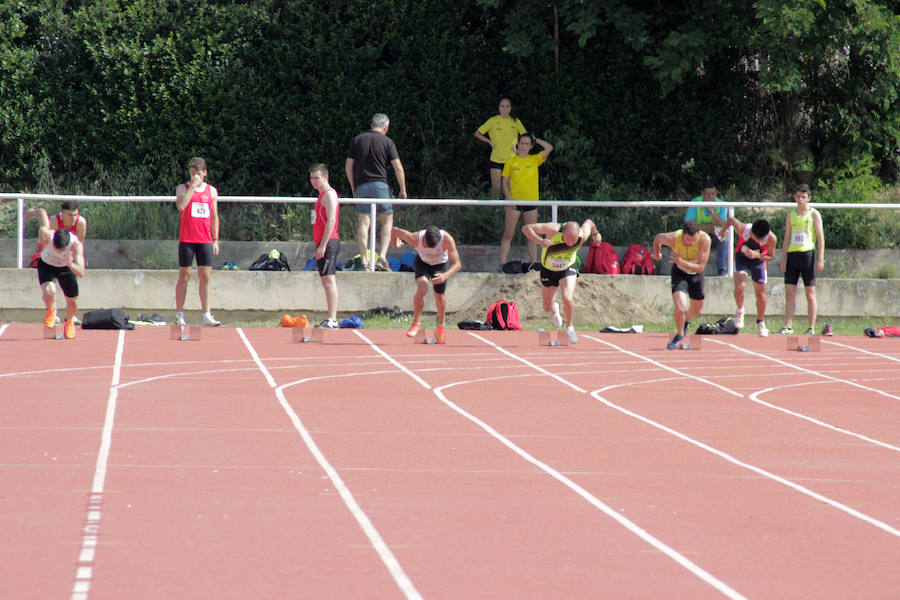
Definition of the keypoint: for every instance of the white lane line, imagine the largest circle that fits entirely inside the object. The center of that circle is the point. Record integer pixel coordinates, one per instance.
(91, 531)
(391, 360)
(810, 371)
(630, 525)
(869, 352)
(803, 490)
(3, 328)
(387, 557)
(755, 397)
(529, 363)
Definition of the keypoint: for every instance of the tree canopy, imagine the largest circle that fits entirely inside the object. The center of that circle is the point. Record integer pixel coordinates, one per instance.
(642, 95)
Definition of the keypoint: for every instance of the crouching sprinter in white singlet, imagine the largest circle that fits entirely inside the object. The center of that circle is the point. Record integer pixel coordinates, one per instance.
(436, 260)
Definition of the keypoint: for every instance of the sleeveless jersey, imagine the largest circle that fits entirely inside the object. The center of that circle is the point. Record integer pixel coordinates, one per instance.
(195, 218)
(320, 218)
(432, 256)
(746, 240)
(58, 259)
(686, 252)
(59, 225)
(803, 233)
(558, 256)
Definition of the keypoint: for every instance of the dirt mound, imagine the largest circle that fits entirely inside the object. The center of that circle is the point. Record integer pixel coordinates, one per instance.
(596, 301)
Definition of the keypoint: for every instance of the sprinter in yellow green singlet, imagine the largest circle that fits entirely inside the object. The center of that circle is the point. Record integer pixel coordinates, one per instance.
(559, 247)
(690, 253)
(802, 255)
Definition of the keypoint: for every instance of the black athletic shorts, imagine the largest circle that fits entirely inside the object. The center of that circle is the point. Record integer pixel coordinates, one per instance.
(690, 283)
(187, 251)
(423, 269)
(800, 264)
(551, 278)
(68, 282)
(328, 263)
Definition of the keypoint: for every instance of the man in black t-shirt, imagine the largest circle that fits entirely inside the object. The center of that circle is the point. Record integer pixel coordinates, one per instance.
(366, 168)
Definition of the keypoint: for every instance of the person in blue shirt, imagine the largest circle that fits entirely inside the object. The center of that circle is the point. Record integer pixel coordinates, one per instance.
(702, 215)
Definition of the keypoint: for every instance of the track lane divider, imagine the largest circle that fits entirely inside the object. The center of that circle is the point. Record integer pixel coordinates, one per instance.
(387, 557)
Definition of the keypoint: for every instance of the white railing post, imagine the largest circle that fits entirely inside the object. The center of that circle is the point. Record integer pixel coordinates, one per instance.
(20, 233)
(373, 223)
(730, 243)
(553, 213)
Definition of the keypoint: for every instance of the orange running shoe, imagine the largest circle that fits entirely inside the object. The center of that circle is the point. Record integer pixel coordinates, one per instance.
(70, 329)
(412, 331)
(50, 318)
(439, 334)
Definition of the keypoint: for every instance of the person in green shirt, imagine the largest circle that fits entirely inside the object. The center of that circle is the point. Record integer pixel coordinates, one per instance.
(802, 255)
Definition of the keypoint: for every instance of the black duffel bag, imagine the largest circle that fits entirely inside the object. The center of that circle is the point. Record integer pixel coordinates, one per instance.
(106, 318)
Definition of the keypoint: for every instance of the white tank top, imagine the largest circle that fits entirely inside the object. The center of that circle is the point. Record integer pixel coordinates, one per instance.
(53, 258)
(432, 256)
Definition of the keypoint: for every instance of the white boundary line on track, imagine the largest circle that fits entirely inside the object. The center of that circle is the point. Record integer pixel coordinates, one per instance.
(805, 370)
(755, 398)
(869, 352)
(3, 328)
(393, 565)
(85, 570)
(628, 524)
(803, 490)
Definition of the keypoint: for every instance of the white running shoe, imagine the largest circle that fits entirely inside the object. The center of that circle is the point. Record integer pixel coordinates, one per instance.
(557, 318)
(761, 329)
(573, 338)
(179, 319)
(739, 319)
(208, 320)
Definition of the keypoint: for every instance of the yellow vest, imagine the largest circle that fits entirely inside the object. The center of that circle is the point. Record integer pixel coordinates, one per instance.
(686, 252)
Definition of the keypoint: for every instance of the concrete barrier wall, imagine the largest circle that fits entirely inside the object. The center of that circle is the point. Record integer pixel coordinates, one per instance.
(154, 290)
(163, 254)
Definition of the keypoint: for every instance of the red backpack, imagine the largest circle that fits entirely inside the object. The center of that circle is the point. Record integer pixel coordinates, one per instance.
(638, 261)
(601, 258)
(504, 315)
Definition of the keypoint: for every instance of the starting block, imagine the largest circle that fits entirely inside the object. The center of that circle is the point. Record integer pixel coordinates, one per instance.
(51, 333)
(305, 335)
(691, 342)
(426, 336)
(177, 332)
(552, 338)
(803, 343)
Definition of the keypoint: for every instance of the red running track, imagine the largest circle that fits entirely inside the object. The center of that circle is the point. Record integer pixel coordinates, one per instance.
(247, 466)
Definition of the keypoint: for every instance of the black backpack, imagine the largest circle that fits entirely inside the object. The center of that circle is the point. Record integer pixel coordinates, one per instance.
(264, 263)
(725, 325)
(106, 318)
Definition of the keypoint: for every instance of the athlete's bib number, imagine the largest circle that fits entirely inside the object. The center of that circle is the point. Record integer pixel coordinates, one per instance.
(799, 238)
(200, 210)
(557, 264)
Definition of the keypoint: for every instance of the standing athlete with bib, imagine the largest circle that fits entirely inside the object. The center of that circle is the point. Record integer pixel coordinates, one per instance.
(560, 244)
(802, 255)
(198, 235)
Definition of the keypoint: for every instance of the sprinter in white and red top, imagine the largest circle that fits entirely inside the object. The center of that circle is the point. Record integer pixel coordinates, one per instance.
(198, 236)
(436, 260)
(60, 263)
(325, 216)
(755, 248)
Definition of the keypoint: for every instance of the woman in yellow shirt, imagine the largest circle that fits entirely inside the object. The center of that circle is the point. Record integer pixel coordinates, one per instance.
(500, 132)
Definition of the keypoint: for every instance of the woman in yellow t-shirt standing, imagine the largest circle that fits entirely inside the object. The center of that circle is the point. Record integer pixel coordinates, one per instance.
(520, 183)
(500, 132)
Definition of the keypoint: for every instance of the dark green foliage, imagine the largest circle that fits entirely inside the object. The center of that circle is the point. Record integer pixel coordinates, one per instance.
(647, 99)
